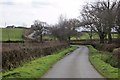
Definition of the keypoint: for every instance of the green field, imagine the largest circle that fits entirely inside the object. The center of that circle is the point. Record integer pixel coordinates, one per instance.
(85, 35)
(16, 34)
(11, 34)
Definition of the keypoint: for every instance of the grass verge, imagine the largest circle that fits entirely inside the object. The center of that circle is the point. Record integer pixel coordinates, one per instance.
(37, 67)
(104, 68)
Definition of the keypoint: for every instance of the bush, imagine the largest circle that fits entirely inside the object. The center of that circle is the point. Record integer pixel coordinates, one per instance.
(14, 56)
(106, 47)
(110, 47)
(109, 57)
(116, 53)
(116, 56)
(112, 58)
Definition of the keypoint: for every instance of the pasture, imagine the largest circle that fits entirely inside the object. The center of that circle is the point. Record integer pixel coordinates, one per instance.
(85, 35)
(11, 34)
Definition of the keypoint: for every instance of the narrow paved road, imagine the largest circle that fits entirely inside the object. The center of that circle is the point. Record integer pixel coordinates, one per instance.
(30, 36)
(74, 65)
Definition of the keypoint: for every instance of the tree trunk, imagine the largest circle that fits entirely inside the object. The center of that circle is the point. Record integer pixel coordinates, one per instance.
(118, 36)
(69, 39)
(118, 31)
(41, 38)
(101, 38)
(109, 33)
(109, 38)
(91, 37)
(91, 34)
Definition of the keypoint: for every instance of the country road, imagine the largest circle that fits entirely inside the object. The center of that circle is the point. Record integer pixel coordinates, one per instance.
(30, 36)
(74, 65)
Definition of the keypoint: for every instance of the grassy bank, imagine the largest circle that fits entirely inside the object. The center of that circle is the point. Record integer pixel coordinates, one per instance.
(11, 34)
(104, 68)
(38, 67)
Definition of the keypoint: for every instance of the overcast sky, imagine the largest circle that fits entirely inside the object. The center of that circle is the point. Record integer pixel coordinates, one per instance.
(24, 12)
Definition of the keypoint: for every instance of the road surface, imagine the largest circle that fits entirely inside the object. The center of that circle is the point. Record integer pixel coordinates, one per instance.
(74, 65)
(30, 36)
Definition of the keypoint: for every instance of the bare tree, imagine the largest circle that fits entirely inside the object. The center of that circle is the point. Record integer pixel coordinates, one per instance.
(117, 26)
(109, 10)
(101, 15)
(72, 24)
(38, 27)
(91, 17)
(56, 33)
(65, 28)
(87, 22)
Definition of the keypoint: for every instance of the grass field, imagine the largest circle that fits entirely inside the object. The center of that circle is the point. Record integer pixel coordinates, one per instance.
(104, 68)
(11, 34)
(85, 35)
(16, 34)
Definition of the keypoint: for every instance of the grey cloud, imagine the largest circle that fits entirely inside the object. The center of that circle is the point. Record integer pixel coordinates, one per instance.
(42, 4)
(7, 3)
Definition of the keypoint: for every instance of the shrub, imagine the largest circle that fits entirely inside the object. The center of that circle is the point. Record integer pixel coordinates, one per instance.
(109, 57)
(110, 47)
(106, 47)
(116, 53)
(116, 56)
(112, 58)
(14, 55)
